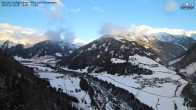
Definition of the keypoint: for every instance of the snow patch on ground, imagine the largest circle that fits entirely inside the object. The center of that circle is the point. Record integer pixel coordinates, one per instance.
(19, 58)
(181, 46)
(98, 56)
(146, 47)
(148, 63)
(175, 61)
(119, 39)
(106, 49)
(157, 59)
(70, 52)
(93, 45)
(89, 49)
(136, 59)
(116, 60)
(58, 54)
(85, 70)
(133, 43)
(190, 69)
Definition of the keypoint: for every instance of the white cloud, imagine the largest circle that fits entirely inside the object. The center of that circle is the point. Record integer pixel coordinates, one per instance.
(64, 34)
(22, 38)
(81, 42)
(98, 9)
(146, 30)
(139, 31)
(170, 6)
(109, 28)
(18, 34)
(75, 10)
(12, 27)
(55, 14)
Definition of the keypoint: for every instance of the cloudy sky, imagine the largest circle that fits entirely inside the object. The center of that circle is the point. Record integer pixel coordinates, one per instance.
(85, 20)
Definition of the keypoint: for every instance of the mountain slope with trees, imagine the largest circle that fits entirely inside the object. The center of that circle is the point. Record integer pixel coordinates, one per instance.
(21, 89)
(110, 54)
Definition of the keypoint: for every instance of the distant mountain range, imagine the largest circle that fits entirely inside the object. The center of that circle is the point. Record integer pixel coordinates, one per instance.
(47, 47)
(166, 46)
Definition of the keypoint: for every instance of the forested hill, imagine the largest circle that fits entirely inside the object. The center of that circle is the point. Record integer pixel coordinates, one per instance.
(20, 89)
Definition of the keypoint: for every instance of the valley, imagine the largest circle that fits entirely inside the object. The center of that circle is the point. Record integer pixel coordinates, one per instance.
(97, 55)
(112, 72)
(163, 85)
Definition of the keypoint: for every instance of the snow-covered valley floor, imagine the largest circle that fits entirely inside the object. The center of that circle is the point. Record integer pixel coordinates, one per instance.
(65, 83)
(161, 90)
(159, 93)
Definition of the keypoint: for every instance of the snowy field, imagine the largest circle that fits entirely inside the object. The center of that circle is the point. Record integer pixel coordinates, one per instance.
(69, 85)
(160, 93)
(39, 64)
(161, 90)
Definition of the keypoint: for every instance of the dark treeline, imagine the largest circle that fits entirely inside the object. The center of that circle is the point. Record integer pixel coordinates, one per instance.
(119, 93)
(120, 68)
(85, 87)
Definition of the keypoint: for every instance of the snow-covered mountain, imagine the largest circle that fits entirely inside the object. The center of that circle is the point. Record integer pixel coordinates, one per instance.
(169, 43)
(110, 54)
(166, 45)
(139, 31)
(6, 44)
(43, 48)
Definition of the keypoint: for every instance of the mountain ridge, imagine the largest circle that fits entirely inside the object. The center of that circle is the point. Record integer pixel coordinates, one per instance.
(169, 46)
(42, 48)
